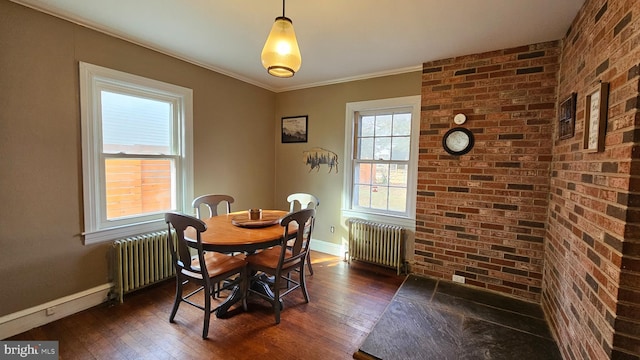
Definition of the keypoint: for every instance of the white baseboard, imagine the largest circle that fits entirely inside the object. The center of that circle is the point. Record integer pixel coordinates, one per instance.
(28, 319)
(328, 248)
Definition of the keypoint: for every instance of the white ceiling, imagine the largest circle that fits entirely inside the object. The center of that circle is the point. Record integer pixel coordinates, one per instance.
(340, 40)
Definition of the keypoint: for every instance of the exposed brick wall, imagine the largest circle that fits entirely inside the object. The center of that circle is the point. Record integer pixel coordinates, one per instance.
(523, 197)
(591, 290)
(483, 215)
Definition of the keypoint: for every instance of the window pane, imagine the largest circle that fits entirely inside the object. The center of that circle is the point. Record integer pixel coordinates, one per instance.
(381, 174)
(382, 148)
(365, 150)
(400, 147)
(398, 175)
(383, 125)
(134, 125)
(367, 126)
(363, 173)
(402, 124)
(398, 199)
(379, 195)
(362, 196)
(138, 186)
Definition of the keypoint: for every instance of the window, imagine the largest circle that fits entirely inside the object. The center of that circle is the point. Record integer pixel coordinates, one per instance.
(380, 178)
(136, 152)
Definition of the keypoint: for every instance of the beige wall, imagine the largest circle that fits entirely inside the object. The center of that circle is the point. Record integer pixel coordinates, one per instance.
(41, 252)
(326, 108)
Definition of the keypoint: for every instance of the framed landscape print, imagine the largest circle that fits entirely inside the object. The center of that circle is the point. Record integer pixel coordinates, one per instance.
(595, 118)
(294, 129)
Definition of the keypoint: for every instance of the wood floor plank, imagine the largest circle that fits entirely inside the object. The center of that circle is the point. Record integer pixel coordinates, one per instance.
(346, 301)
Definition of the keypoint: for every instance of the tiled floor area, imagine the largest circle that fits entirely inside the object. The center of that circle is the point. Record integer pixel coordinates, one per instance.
(431, 319)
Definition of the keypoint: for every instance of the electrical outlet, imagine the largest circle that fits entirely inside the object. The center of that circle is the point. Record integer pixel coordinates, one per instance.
(50, 311)
(458, 279)
(332, 229)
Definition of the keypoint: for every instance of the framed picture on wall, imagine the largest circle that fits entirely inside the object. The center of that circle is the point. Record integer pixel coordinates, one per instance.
(294, 129)
(567, 117)
(595, 117)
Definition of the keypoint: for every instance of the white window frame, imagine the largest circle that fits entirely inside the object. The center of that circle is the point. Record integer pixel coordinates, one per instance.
(352, 111)
(93, 79)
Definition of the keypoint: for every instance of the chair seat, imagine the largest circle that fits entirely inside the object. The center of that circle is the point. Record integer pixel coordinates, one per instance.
(216, 264)
(269, 258)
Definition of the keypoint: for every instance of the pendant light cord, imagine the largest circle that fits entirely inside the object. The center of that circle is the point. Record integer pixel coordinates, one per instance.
(283, 8)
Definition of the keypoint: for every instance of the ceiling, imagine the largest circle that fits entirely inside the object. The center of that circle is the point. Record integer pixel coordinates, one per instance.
(340, 40)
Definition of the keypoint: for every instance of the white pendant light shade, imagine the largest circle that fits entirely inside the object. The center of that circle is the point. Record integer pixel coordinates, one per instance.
(281, 55)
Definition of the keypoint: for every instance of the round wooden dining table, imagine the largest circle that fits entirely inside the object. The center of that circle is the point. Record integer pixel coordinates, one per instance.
(236, 232)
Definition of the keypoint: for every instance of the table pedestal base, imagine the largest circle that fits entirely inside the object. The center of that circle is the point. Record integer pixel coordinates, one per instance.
(259, 284)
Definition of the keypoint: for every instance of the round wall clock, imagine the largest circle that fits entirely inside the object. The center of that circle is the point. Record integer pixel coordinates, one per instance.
(458, 141)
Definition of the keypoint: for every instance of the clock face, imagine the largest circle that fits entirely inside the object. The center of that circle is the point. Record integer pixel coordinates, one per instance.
(458, 141)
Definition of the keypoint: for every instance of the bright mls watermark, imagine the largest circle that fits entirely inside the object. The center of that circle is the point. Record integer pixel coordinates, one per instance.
(40, 350)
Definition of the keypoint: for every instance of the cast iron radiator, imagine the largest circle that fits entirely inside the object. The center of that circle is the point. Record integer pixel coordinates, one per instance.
(140, 261)
(376, 243)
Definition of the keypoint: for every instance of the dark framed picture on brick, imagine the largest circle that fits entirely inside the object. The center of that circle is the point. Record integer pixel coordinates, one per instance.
(567, 117)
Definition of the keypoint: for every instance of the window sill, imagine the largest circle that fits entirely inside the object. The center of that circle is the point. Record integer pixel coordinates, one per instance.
(405, 222)
(104, 235)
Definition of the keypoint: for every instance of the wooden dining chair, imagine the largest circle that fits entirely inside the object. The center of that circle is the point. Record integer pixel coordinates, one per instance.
(299, 201)
(212, 201)
(204, 269)
(281, 260)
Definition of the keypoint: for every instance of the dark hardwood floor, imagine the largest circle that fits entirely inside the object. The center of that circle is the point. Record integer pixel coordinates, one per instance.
(345, 303)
